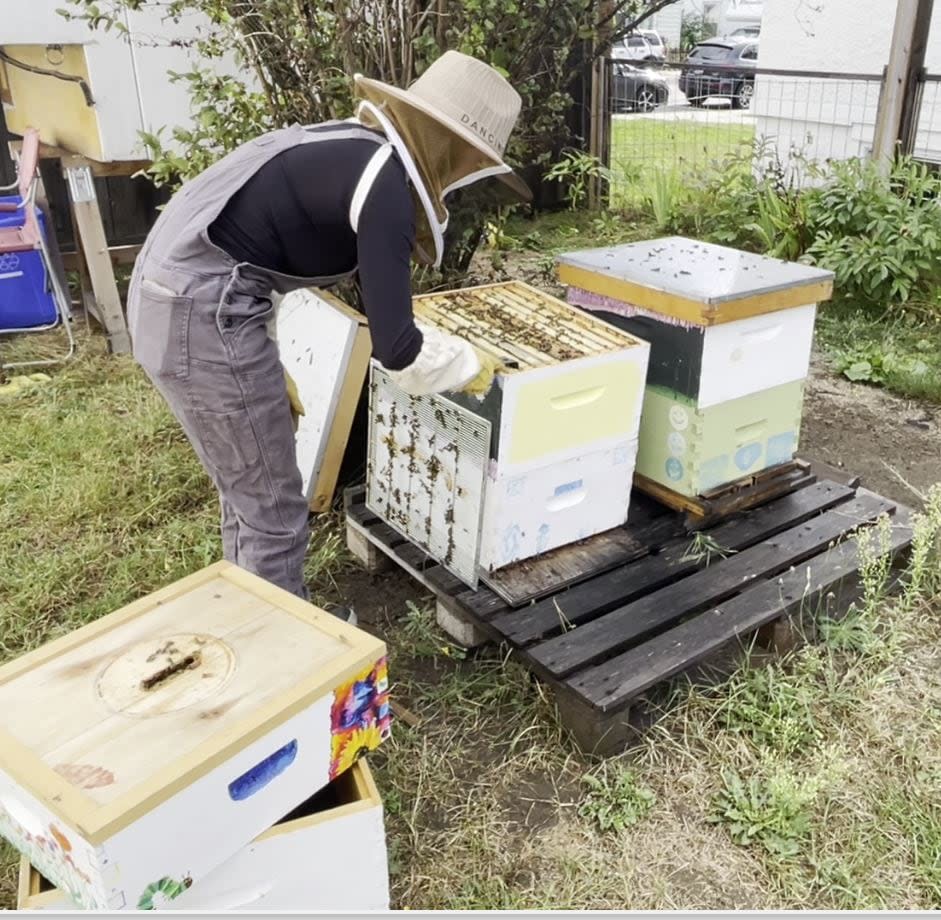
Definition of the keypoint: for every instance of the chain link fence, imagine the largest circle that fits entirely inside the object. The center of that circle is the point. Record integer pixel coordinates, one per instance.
(688, 119)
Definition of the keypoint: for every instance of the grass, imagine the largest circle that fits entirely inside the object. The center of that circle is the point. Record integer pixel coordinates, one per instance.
(809, 781)
(898, 350)
(642, 147)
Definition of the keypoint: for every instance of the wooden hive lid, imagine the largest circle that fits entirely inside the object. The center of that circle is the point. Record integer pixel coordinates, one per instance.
(110, 720)
(522, 326)
(700, 283)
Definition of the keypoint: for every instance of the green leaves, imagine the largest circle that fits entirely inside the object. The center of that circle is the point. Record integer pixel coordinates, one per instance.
(773, 815)
(616, 800)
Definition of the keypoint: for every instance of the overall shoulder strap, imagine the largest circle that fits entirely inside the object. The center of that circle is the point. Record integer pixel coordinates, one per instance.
(366, 180)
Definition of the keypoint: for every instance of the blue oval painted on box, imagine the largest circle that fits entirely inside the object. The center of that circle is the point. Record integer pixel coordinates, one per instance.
(263, 773)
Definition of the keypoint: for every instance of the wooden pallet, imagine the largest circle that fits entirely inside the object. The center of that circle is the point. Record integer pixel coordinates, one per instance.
(740, 495)
(607, 644)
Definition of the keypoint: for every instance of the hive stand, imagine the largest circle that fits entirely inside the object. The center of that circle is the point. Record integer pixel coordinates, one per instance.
(95, 260)
(740, 495)
(608, 645)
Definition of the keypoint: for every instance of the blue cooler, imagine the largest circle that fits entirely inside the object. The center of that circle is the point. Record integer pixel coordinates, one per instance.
(26, 299)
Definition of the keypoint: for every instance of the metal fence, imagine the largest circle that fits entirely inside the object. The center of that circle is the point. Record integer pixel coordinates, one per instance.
(674, 118)
(927, 141)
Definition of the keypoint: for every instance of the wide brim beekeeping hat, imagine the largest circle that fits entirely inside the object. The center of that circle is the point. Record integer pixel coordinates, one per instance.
(470, 99)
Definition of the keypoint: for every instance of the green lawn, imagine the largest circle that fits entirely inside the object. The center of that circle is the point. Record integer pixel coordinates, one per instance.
(640, 146)
(807, 781)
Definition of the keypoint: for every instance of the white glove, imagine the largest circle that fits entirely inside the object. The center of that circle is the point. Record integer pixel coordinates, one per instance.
(445, 363)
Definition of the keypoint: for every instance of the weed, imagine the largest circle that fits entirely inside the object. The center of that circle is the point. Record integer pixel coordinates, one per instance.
(576, 170)
(923, 577)
(772, 708)
(616, 799)
(703, 548)
(772, 814)
(426, 640)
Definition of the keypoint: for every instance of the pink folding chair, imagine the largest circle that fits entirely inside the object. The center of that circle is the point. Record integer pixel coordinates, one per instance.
(28, 237)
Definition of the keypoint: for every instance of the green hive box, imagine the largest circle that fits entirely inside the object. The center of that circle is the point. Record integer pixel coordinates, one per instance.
(692, 450)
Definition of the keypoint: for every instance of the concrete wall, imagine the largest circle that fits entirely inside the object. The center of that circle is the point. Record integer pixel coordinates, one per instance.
(828, 118)
(129, 80)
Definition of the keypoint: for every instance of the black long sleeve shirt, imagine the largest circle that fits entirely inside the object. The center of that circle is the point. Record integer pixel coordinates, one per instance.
(293, 216)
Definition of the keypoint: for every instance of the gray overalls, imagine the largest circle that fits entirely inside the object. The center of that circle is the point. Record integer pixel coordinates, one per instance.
(198, 323)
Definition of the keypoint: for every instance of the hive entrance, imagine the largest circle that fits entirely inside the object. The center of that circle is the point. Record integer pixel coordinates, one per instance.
(165, 675)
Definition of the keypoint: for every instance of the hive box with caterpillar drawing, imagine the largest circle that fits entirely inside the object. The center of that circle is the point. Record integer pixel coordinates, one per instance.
(147, 748)
(730, 334)
(328, 854)
(544, 459)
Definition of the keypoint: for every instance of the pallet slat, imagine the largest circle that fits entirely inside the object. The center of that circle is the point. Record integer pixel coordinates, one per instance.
(613, 632)
(606, 592)
(610, 685)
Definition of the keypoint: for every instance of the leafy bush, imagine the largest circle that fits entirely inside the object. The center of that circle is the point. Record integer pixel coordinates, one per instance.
(880, 235)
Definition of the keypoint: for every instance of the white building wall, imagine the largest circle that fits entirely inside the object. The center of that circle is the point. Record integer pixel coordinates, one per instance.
(826, 118)
(668, 22)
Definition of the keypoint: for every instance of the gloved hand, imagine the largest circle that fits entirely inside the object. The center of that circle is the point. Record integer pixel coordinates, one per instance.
(445, 363)
(297, 407)
(489, 368)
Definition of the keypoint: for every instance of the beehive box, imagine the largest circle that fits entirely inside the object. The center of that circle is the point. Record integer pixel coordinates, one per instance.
(328, 854)
(329, 369)
(544, 459)
(692, 450)
(148, 747)
(731, 336)
(718, 363)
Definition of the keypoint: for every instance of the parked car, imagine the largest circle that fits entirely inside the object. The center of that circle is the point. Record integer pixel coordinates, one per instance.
(636, 90)
(721, 67)
(633, 48)
(657, 46)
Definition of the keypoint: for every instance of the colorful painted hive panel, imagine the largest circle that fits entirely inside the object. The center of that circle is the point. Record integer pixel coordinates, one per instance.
(700, 283)
(329, 854)
(571, 383)
(221, 696)
(692, 450)
(713, 364)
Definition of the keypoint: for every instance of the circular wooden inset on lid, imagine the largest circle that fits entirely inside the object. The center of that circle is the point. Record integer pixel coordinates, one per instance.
(166, 674)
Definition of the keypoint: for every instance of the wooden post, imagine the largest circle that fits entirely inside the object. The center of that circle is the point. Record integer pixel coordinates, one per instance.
(906, 57)
(94, 245)
(914, 83)
(599, 97)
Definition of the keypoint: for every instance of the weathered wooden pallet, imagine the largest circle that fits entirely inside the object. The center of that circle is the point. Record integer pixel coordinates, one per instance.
(607, 644)
(741, 495)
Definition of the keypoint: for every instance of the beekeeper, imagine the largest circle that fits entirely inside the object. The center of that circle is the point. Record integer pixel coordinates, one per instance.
(295, 208)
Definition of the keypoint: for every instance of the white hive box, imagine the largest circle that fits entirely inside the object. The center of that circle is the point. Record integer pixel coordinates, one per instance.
(730, 337)
(545, 459)
(329, 854)
(148, 747)
(325, 346)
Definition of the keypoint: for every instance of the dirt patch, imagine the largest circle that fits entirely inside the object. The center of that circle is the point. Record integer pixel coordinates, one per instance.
(886, 440)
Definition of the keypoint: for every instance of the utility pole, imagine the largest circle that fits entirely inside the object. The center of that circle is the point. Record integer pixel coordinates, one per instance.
(898, 108)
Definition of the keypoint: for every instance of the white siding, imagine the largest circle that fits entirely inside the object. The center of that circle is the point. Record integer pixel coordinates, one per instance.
(827, 118)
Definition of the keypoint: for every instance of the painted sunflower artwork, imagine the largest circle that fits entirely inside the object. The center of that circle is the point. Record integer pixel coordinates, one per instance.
(360, 719)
